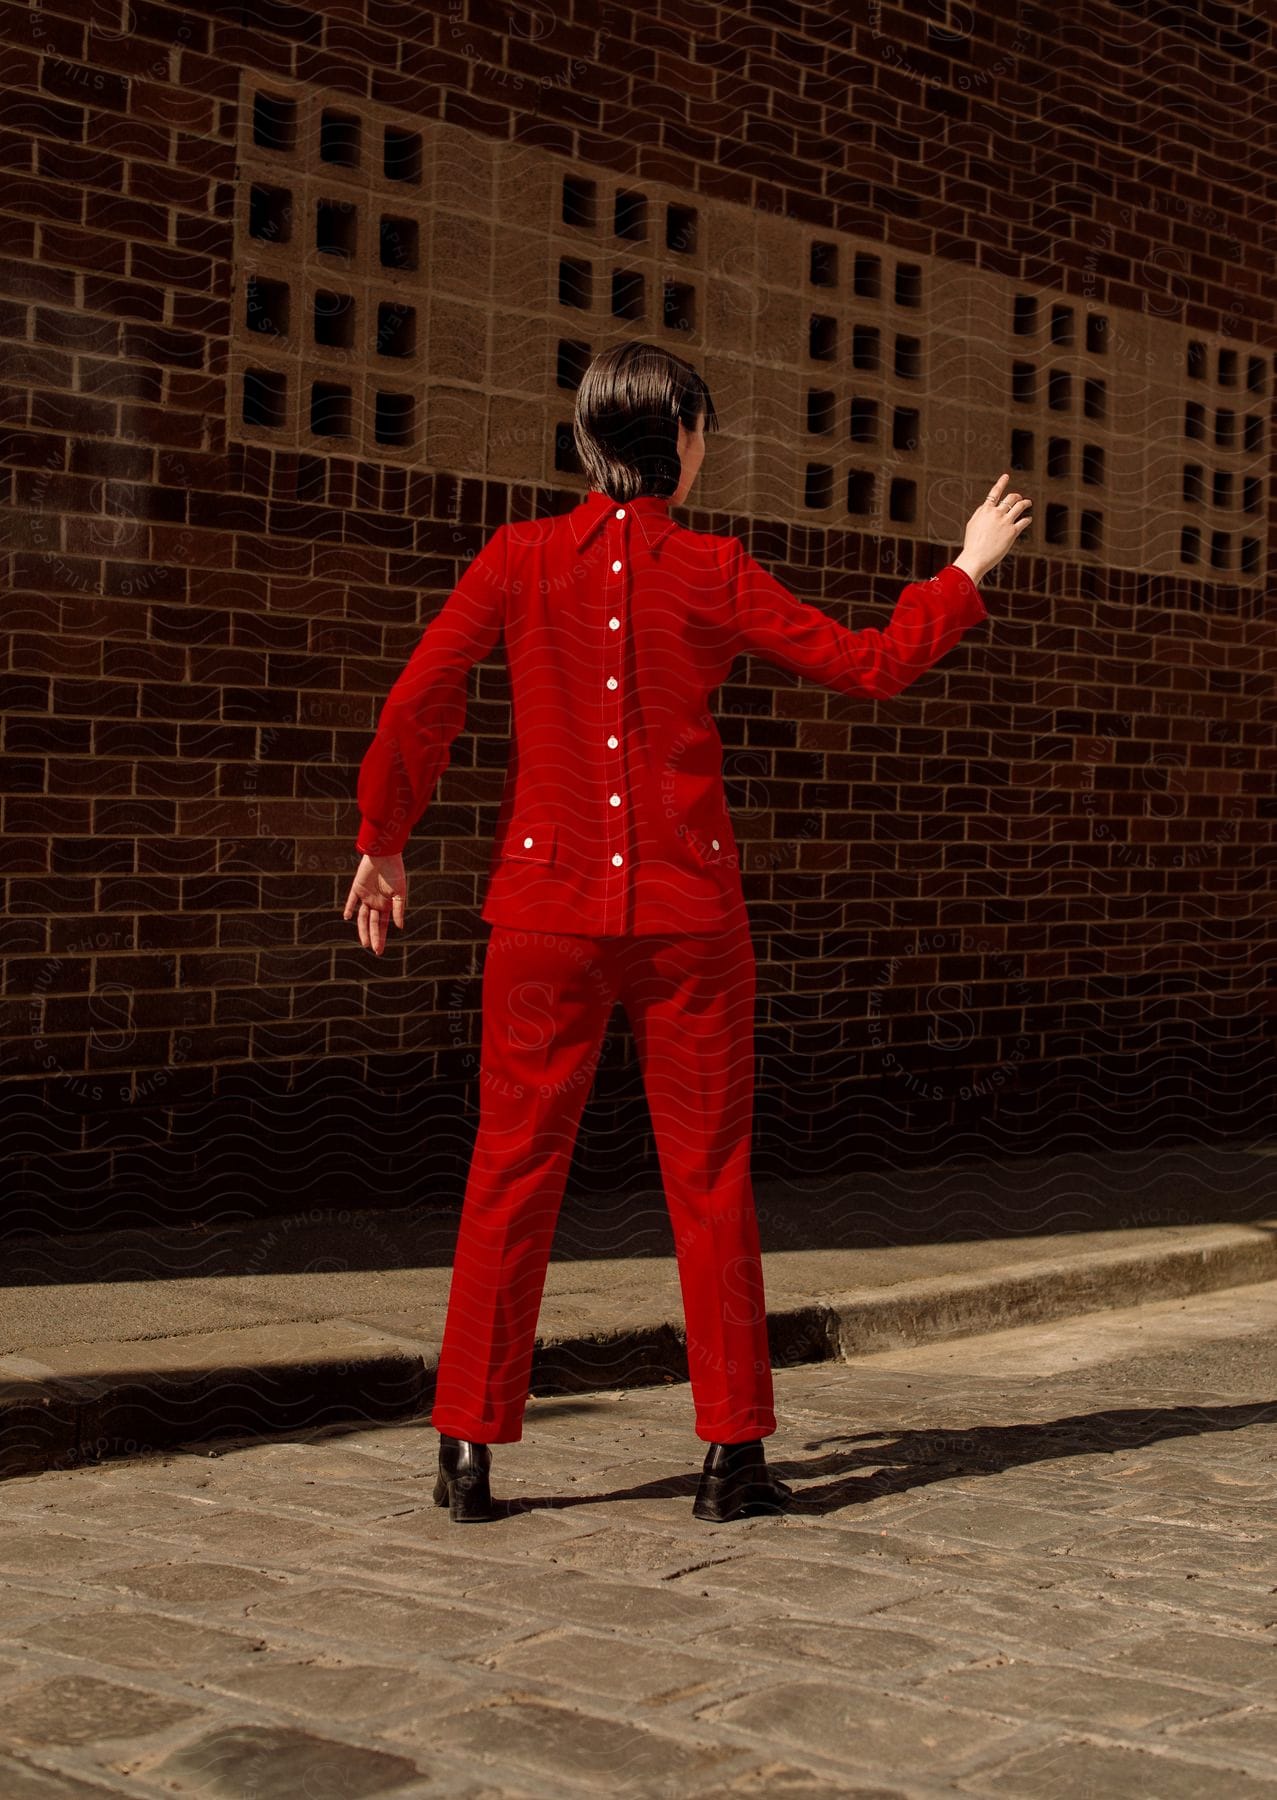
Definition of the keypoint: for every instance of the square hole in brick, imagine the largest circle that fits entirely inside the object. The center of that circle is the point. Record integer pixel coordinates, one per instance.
(1024, 315)
(1057, 524)
(1194, 485)
(335, 228)
(339, 138)
(1196, 361)
(680, 229)
(266, 306)
(860, 492)
(822, 337)
(627, 294)
(823, 267)
(401, 154)
(818, 488)
(1220, 550)
(1021, 450)
(274, 121)
(1190, 544)
(864, 347)
(866, 276)
(264, 399)
(909, 358)
(1094, 399)
(1222, 488)
(1252, 493)
(905, 426)
(566, 460)
(1024, 382)
(820, 409)
(1226, 428)
(864, 421)
(396, 328)
(903, 501)
(1255, 374)
(1062, 325)
(1090, 531)
(330, 409)
(1059, 389)
(1097, 333)
(1250, 556)
(679, 306)
(399, 242)
(1194, 419)
(580, 199)
(270, 213)
(1057, 458)
(1253, 436)
(574, 282)
(333, 319)
(630, 214)
(572, 361)
(1092, 465)
(908, 284)
(1226, 368)
(393, 419)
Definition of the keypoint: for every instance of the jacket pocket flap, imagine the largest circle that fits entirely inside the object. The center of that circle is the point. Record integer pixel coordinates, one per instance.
(530, 843)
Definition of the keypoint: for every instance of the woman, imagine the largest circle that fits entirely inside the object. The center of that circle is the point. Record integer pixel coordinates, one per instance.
(617, 877)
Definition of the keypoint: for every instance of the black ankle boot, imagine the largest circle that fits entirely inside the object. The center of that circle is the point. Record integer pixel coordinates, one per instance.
(462, 1482)
(736, 1481)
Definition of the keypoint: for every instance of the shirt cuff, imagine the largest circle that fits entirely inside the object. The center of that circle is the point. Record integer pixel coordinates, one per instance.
(963, 593)
(371, 842)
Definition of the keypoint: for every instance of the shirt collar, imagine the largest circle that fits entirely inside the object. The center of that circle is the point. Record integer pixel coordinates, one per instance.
(650, 511)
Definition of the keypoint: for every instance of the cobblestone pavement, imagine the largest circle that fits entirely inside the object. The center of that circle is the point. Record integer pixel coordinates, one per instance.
(1035, 1563)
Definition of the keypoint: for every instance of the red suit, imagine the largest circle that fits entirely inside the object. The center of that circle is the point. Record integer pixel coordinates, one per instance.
(616, 875)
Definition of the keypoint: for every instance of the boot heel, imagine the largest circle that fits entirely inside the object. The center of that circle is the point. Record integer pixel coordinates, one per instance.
(462, 1482)
(735, 1483)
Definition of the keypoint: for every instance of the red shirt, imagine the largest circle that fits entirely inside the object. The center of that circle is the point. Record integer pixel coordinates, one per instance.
(619, 623)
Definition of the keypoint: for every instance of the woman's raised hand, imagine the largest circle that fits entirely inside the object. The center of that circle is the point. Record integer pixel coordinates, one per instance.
(380, 887)
(993, 527)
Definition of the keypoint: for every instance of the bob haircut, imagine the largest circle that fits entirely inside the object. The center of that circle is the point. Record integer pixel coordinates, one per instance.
(629, 405)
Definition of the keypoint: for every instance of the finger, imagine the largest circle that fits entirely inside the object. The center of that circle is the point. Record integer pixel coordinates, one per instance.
(377, 930)
(350, 900)
(363, 924)
(997, 486)
(398, 908)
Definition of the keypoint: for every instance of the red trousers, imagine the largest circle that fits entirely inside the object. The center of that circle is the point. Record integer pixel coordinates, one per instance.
(547, 997)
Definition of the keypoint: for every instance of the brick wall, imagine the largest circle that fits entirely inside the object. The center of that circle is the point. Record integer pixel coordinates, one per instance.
(1025, 900)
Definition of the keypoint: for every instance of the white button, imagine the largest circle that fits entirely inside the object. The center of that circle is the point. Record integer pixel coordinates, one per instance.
(611, 681)
(611, 743)
(616, 860)
(527, 843)
(616, 568)
(614, 623)
(714, 841)
(616, 799)
(620, 512)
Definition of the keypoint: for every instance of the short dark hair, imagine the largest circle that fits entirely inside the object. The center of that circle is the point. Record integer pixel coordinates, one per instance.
(628, 409)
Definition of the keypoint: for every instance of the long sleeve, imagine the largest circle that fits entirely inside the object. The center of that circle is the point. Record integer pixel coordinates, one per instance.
(426, 707)
(929, 618)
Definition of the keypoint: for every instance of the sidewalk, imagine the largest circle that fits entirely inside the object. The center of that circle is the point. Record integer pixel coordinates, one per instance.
(114, 1344)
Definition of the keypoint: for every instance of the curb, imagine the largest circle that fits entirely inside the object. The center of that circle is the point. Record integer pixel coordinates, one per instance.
(111, 1400)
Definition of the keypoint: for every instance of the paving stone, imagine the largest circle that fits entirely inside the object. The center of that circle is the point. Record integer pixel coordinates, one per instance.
(428, 1624)
(1244, 1659)
(80, 1709)
(24, 1781)
(857, 1648)
(987, 1521)
(1059, 1692)
(1252, 1729)
(565, 1743)
(191, 1582)
(275, 1763)
(341, 1690)
(608, 1665)
(829, 1588)
(29, 1550)
(1069, 1766)
(1058, 1620)
(141, 1640)
(888, 1731)
(567, 1593)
